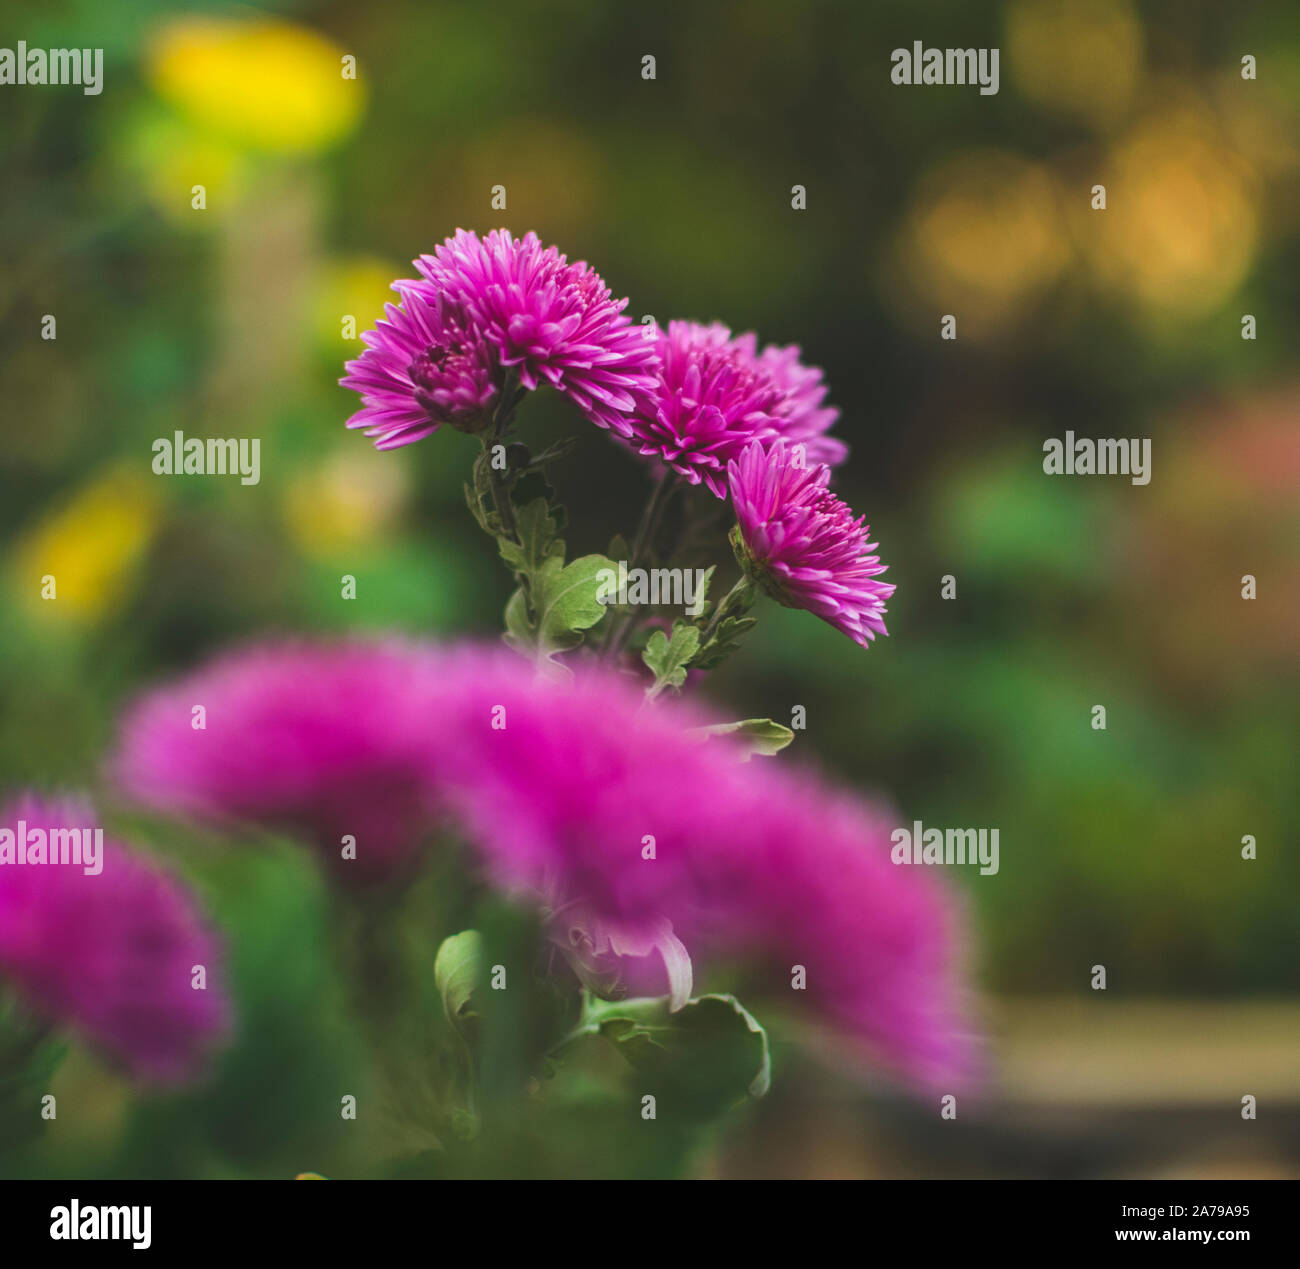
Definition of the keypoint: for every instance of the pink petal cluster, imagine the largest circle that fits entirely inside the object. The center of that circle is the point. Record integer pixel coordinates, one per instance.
(424, 366)
(485, 306)
(804, 543)
(110, 954)
(550, 321)
(576, 795)
(716, 394)
(316, 740)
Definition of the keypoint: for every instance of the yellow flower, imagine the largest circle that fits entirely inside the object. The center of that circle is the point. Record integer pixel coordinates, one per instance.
(261, 83)
(88, 547)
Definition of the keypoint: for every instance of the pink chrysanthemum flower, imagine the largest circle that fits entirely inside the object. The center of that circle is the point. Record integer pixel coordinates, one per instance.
(424, 366)
(550, 321)
(111, 954)
(317, 741)
(560, 787)
(716, 394)
(801, 416)
(803, 543)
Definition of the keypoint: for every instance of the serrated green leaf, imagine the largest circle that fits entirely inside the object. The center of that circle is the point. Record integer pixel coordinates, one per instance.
(724, 641)
(519, 627)
(667, 658)
(757, 735)
(535, 528)
(565, 603)
(702, 591)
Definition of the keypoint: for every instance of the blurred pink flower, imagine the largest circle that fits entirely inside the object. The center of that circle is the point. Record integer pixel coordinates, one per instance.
(320, 740)
(110, 954)
(639, 840)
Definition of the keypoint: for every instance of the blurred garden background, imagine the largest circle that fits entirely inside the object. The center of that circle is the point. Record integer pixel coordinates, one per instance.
(1120, 848)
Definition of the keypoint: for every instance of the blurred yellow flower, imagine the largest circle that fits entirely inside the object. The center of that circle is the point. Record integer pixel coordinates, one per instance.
(347, 500)
(1078, 57)
(983, 238)
(1180, 229)
(89, 546)
(357, 287)
(261, 83)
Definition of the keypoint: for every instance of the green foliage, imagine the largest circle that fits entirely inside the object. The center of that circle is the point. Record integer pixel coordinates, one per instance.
(712, 1052)
(757, 735)
(667, 658)
(457, 968)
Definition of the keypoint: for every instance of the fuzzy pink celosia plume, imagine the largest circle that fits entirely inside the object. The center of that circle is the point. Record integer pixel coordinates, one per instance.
(561, 787)
(110, 954)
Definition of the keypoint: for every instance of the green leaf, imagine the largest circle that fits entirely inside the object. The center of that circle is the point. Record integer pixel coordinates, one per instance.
(758, 735)
(28, 1060)
(724, 641)
(456, 971)
(519, 627)
(478, 496)
(712, 1050)
(667, 658)
(561, 449)
(536, 529)
(564, 601)
(702, 592)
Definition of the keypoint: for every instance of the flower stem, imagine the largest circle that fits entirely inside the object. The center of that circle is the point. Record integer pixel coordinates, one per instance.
(642, 543)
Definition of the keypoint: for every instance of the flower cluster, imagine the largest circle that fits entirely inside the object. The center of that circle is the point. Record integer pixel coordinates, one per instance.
(559, 785)
(652, 849)
(492, 318)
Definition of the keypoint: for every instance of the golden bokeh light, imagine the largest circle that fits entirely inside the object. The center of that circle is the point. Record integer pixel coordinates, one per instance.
(260, 83)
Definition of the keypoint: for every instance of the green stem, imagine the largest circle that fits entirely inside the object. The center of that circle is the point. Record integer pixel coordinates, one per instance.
(507, 403)
(650, 517)
(642, 543)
